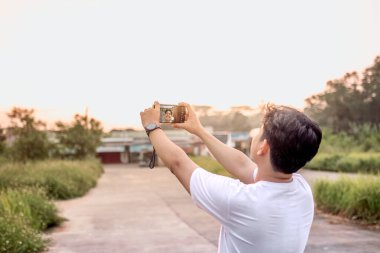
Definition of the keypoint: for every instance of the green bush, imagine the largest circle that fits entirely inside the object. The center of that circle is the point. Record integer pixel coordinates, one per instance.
(3, 159)
(359, 138)
(324, 162)
(24, 213)
(357, 198)
(210, 164)
(17, 237)
(60, 179)
(32, 205)
(353, 162)
(25, 190)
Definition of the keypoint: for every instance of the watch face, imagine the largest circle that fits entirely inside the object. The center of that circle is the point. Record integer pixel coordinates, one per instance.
(151, 126)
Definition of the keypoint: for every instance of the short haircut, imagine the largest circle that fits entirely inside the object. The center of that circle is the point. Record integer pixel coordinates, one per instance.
(168, 110)
(293, 138)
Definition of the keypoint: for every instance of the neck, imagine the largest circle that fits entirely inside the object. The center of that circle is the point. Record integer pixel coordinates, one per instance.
(266, 173)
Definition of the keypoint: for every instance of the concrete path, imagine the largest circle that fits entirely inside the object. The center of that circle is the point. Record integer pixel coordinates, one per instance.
(142, 210)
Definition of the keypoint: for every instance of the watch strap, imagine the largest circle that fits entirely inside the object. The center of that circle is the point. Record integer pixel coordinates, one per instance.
(152, 161)
(151, 130)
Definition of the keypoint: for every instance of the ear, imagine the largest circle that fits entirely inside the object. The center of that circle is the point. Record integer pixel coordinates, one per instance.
(264, 148)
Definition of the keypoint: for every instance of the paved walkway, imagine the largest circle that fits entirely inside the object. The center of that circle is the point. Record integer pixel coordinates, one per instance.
(142, 210)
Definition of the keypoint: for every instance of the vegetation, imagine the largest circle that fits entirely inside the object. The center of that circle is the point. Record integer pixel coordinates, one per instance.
(2, 141)
(353, 99)
(357, 198)
(16, 236)
(210, 164)
(347, 111)
(358, 151)
(80, 138)
(26, 190)
(29, 179)
(59, 179)
(352, 162)
(31, 142)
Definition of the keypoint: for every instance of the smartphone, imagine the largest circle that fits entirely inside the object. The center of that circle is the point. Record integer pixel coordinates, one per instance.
(172, 113)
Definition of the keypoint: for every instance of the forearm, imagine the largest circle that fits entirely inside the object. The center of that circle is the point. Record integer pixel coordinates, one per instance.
(165, 148)
(233, 160)
(173, 157)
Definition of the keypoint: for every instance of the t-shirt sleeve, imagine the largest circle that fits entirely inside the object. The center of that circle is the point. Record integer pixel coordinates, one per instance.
(211, 193)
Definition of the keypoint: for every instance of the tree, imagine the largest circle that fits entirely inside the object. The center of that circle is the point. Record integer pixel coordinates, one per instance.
(349, 100)
(80, 138)
(2, 140)
(371, 90)
(31, 142)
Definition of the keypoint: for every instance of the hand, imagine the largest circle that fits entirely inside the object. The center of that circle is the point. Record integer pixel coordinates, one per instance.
(151, 115)
(192, 123)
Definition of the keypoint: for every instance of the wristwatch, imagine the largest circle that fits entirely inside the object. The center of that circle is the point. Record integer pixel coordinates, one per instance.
(151, 127)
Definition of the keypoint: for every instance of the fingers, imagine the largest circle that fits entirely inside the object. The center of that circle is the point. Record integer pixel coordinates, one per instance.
(185, 104)
(179, 125)
(156, 105)
(188, 107)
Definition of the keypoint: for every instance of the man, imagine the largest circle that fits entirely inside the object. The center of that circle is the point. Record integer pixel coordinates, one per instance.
(268, 207)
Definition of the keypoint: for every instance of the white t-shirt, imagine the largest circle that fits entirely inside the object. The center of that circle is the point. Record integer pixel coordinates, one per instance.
(264, 217)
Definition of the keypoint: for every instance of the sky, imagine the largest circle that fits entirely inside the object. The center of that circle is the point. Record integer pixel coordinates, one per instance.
(117, 57)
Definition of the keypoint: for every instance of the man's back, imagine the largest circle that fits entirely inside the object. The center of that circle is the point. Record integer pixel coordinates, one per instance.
(260, 217)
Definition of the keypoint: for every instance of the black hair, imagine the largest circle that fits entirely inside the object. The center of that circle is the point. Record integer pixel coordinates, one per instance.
(293, 138)
(168, 110)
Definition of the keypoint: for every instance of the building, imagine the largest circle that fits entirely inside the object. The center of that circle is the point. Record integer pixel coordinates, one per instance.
(135, 147)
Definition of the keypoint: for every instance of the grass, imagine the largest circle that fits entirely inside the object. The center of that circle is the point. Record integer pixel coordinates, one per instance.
(31, 204)
(210, 164)
(16, 236)
(26, 194)
(24, 213)
(60, 179)
(354, 198)
(350, 162)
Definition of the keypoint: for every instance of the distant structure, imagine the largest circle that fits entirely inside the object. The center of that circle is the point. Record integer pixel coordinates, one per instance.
(134, 146)
(129, 146)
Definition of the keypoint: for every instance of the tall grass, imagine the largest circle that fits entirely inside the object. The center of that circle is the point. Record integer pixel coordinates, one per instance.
(24, 213)
(31, 204)
(16, 236)
(26, 191)
(355, 198)
(351, 162)
(60, 179)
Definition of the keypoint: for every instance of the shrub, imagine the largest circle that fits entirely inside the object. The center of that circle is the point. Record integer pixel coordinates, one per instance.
(353, 162)
(25, 190)
(356, 198)
(31, 204)
(59, 179)
(324, 162)
(17, 237)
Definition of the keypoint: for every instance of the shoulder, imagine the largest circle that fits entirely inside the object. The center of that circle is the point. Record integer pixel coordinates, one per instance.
(301, 181)
(202, 176)
(303, 188)
(212, 193)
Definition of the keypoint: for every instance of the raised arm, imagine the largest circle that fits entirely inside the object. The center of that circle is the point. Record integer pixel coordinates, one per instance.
(172, 156)
(233, 160)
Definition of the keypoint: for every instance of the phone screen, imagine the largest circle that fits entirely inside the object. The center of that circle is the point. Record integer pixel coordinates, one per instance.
(172, 113)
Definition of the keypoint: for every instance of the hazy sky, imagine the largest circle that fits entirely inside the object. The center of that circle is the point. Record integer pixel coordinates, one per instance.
(117, 57)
